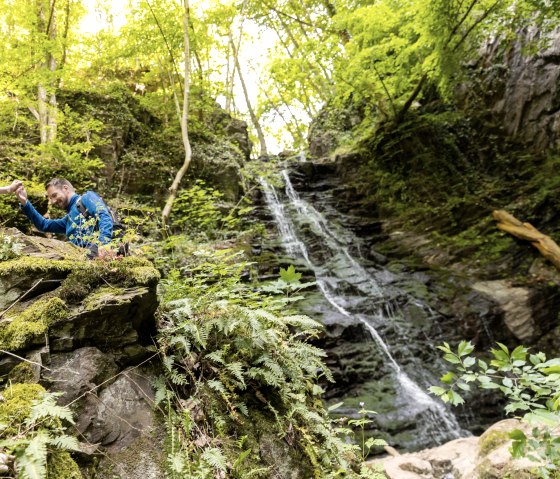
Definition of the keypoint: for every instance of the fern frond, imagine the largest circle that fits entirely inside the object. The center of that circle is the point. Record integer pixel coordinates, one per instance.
(181, 340)
(216, 356)
(217, 386)
(215, 458)
(65, 442)
(161, 391)
(46, 407)
(236, 369)
(31, 462)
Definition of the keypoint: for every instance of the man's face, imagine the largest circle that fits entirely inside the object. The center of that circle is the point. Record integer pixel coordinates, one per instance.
(59, 197)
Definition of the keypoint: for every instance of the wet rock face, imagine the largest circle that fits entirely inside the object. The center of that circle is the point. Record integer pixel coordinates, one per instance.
(428, 297)
(521, 90)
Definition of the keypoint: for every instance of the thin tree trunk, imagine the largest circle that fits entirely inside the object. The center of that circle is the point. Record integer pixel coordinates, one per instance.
(254, 119)
(47, 105)
(65, 34)
(184, 123)
(297, 136)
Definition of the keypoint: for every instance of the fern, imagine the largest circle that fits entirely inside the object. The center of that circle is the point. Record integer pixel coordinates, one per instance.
(46, 407)
(216, 356)
(215, 458)
(241, 361)
(31, 461)
(237, 370)
(161, 391)
(64, 442)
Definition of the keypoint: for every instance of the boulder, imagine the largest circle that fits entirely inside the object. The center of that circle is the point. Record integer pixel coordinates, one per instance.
(484, 457)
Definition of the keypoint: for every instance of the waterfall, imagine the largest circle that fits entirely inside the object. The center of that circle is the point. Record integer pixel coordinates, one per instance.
(338, 270)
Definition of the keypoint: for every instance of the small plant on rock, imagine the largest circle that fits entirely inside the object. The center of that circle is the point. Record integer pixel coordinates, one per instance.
(9, 247)
(530, 383)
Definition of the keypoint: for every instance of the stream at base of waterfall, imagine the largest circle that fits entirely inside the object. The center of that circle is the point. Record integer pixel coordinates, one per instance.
(397, 360)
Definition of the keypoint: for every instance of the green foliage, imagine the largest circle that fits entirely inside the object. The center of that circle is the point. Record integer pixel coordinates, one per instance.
(361, 423)
(32, 429)
(233, 369)
(531, 384)
(200, 212)
(9, 247)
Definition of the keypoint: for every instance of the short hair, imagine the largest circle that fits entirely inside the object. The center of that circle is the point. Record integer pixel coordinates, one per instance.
(58, 183)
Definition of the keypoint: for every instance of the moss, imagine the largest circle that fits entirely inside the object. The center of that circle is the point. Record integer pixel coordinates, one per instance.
(22, 373)
(493, 440)
(60, 465)
(32, 322)
(101, 296)
(16, 406)
(79, 284)
(15, 409)
(143, 275)
(36, 265)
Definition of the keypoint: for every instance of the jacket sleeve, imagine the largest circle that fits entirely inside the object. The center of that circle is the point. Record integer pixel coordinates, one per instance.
(97, 208)
(44, 224)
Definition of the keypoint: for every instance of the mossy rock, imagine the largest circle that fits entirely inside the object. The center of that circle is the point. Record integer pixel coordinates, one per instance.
(16, 406)
(492, 440)
(19, 332)
(15, 409)
(60, 465)
(22, 373)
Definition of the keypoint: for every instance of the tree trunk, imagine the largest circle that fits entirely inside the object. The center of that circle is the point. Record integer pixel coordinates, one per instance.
(254, 119)
(184, 123)
(46, 95)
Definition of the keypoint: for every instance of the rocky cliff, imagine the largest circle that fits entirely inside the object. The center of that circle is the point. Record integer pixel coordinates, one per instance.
(515, 86)
(84, 329)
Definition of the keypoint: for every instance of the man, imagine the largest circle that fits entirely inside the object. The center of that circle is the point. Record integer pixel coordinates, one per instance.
(94, 233)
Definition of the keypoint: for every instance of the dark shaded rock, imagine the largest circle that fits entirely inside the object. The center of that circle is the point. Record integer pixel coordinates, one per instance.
(521, 91)
(78, 372)
(112, 319)
(124, 411)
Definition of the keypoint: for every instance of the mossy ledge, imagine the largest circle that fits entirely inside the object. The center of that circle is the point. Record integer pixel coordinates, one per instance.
(20, 329)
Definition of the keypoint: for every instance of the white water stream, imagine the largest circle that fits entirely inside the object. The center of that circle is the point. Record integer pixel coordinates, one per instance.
(437, 421)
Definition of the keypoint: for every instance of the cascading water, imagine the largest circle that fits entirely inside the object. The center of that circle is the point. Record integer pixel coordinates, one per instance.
(353, 290)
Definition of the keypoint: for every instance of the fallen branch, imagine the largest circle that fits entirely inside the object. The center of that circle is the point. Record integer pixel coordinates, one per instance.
(526, 231)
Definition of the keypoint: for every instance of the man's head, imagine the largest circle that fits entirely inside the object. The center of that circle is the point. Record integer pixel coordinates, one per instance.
(59, 192)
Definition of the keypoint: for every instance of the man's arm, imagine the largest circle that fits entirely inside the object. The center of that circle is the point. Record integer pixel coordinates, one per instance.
(42, 224)
(97, 208)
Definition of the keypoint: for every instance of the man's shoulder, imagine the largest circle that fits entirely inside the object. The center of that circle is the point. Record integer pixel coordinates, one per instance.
(91, 197)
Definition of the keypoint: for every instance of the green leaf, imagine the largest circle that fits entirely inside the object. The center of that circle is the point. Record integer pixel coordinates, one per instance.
(465, 348)
(334, 407)
(455, 398)
(468, 362)
(241, 457)
(289, 275)
(438, 391)
(448, 378)
(541, 416)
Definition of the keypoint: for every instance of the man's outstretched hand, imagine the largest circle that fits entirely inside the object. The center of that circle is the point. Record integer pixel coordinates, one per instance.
(21, 194)
(14, 186)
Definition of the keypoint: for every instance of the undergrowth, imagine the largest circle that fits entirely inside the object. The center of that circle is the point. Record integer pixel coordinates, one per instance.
(241, 390)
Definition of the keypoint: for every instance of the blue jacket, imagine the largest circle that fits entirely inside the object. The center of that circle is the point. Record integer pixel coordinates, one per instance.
(78, 230)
